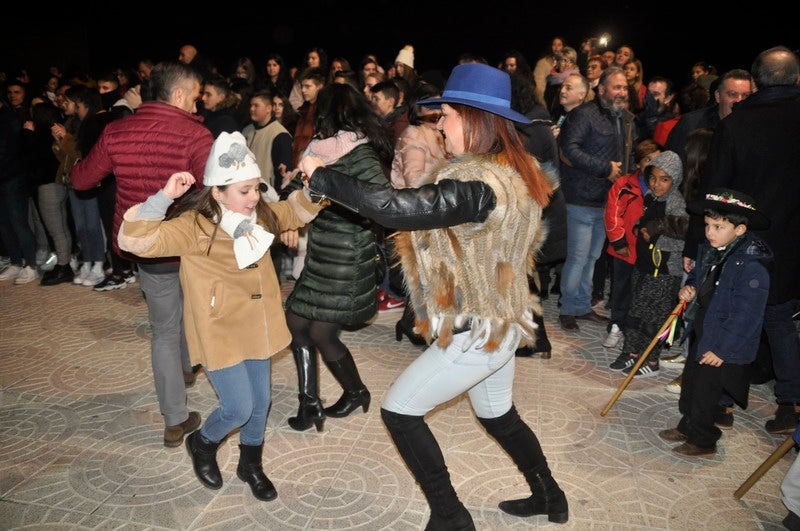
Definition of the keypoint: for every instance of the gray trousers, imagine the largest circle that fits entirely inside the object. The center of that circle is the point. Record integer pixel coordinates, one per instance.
(53, 210)
(169, 353)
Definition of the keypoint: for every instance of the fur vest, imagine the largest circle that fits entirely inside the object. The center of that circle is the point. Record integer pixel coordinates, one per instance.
(475, 275)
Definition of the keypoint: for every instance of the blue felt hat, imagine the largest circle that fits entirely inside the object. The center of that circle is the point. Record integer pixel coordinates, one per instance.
(481, 86)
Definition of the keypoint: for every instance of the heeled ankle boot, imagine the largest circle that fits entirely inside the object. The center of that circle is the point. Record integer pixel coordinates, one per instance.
(521, 444)
(405, 327)
(251, 472)
(310, 409)
(355, 394)
(421, 453)
(204, 459)
(542, 345)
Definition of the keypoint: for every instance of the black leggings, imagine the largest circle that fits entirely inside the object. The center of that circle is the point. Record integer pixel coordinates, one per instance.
(322, 335)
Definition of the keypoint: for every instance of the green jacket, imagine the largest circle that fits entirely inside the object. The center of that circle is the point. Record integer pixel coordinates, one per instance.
(339, 279)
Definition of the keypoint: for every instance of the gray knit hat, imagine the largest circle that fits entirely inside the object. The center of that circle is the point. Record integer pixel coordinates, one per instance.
(670, 163)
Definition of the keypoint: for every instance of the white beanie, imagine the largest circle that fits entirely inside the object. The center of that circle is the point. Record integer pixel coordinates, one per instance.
(406, 56)
(230, 161)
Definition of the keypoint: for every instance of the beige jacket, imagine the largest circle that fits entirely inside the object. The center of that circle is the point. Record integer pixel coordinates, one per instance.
(229, 314)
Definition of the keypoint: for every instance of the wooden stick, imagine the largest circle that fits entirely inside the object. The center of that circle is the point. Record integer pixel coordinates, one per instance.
(672, 316)
(773, 458)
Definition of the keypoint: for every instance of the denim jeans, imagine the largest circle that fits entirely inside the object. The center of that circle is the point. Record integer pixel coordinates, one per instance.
(441, 374)
(785, 346)
(169, 355)
(244, 398)
(586, 234)
(15, 230)
(88, 226)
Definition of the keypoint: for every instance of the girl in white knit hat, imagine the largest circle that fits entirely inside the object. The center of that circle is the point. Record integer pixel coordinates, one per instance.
(233, 310)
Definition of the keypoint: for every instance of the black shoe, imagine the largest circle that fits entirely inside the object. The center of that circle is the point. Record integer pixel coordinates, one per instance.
(568, 322)
(724, 418)
(791, 522)
(111, 283)
(58, 275)
(593, 317)
(786, 419)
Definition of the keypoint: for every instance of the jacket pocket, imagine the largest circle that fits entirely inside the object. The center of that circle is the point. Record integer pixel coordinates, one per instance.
(216, 300)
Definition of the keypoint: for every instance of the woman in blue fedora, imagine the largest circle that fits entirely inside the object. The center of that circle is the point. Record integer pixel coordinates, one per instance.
(465, 244)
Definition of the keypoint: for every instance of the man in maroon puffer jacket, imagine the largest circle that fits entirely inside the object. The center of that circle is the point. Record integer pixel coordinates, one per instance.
(163, 137)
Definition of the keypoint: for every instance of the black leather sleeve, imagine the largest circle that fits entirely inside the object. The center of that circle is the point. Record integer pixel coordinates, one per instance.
(431, 206)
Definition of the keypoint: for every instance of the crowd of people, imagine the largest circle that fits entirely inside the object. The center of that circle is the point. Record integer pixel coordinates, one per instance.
(378, 188)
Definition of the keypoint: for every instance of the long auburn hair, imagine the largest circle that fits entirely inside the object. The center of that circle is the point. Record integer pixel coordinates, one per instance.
(204, 204)
(491, 134)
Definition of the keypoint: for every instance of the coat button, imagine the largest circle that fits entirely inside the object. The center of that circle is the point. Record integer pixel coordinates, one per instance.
(252, 266)
(255, 296)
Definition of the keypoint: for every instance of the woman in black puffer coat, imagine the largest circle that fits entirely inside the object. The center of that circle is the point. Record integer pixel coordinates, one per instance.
(338, 285)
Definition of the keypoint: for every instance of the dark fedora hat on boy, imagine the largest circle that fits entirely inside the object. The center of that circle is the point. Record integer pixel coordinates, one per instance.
(481, 86)
(727, 200)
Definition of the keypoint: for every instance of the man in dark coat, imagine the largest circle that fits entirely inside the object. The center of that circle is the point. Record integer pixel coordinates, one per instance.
(755, 151)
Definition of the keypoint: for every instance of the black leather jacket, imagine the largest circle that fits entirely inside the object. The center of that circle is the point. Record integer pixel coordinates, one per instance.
(432, 206)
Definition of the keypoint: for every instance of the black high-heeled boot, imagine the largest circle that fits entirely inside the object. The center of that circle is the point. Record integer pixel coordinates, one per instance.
(310, 410)
(204, 459)
(251, 472)
(423, 456)
(405, 327)
(355, 394)
(521, 444)
(541, 346)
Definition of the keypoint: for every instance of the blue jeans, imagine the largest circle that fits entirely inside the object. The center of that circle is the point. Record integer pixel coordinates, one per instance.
(88, 226)
(785, 347)
(244, 398)
(15, 231)
(439, 375)
(586, 234)
(169, 354)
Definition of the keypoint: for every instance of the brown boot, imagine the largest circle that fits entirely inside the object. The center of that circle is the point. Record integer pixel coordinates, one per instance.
(688, 449)
(787, 416)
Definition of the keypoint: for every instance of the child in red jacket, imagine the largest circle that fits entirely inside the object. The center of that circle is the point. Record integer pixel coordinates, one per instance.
(623, 210)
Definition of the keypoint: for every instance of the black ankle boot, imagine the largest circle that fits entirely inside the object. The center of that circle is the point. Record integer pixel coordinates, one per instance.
(204, 459)
(521, 444)
(542, 345)
(421, 453)
(405, 327)
(355, 394)
(251, 472)
(310, 409)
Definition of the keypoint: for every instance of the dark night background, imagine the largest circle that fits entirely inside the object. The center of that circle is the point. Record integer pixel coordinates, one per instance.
(668, 38)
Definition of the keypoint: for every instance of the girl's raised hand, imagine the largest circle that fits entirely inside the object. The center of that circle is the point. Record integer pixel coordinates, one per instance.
(178, 183)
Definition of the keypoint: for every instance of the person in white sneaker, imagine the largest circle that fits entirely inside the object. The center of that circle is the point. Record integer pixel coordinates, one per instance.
(17, 237)
(624, 208)
(658, 271)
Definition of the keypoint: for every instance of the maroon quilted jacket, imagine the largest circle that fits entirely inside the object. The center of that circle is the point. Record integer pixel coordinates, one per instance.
(142, 151)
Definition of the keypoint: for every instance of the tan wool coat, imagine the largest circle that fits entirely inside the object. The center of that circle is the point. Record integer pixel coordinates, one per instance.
(230, 314)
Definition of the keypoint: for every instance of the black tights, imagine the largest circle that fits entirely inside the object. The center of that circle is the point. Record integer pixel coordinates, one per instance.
(324, 336)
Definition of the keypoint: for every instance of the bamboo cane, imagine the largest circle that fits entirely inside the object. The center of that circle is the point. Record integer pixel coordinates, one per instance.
(672, 316)
(773, 458)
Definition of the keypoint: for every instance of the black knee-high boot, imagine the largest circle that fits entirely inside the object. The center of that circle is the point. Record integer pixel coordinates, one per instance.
(521, 444)
(355, 394)
(420, 451)
(250, 471)
(310, 409)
